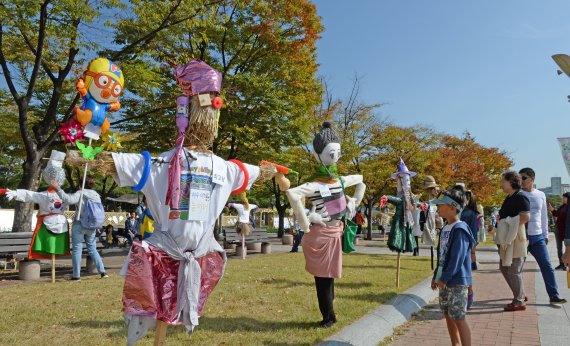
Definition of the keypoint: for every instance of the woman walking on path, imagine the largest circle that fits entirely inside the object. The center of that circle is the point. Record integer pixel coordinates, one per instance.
(515, 210)
(561, 215)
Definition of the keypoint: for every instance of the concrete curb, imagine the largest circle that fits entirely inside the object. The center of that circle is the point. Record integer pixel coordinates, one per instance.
(374, 327)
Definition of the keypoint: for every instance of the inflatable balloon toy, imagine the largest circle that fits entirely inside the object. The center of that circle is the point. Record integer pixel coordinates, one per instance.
(100, 87)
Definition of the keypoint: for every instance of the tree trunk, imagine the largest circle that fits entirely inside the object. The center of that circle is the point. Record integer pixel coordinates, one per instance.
(281, 213)
(281, 209)
(30, 181)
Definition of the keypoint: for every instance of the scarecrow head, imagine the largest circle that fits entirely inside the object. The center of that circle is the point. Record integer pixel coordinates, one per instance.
(198, 111)
(403, 176)
(54, 169)
(326, 145)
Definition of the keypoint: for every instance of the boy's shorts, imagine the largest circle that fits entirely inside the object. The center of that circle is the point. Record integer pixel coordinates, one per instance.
(453, 301)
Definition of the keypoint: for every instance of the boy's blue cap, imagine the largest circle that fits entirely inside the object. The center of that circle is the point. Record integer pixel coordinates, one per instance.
(447, 200)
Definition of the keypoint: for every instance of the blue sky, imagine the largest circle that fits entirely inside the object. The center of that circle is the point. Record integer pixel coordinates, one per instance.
(482, 66)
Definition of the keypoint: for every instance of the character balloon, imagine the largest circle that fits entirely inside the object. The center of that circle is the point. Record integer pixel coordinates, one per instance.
(100, 87)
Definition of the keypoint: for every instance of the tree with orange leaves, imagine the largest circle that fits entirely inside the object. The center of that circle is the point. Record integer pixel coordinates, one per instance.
(462, 159)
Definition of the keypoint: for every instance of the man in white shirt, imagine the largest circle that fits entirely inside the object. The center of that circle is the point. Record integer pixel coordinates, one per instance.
(537, 232)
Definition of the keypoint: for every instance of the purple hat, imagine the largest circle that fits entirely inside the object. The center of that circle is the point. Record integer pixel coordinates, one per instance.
(197, 77)
(402, 169)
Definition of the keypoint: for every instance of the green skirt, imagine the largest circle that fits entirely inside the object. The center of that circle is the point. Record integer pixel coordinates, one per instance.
(48, 243)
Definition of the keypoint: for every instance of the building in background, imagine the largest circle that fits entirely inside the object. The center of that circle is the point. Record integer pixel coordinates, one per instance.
(556, 187)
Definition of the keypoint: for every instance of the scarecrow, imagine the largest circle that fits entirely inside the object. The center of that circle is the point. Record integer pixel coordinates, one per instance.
(331, 210)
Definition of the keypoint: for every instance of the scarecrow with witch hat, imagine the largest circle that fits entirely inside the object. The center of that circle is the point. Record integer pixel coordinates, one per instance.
(401, 238)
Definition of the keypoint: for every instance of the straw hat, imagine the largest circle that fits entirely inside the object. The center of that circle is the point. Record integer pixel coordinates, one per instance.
(429, 182)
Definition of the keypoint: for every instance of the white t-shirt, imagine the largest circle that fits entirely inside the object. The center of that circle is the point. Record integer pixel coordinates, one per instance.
(538, 223)
(226, 177)
(243, 214)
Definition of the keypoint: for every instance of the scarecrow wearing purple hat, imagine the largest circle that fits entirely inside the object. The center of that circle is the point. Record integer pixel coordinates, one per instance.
(401, 238)
(169, 276)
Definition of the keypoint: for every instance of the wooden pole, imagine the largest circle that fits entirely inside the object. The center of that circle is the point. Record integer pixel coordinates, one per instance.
(78, 214)
(431, 248)
(398, 272)
(160, 333)
(52, 268)
(242, 245)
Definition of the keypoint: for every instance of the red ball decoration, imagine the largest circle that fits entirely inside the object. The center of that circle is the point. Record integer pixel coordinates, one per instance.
(217, 102)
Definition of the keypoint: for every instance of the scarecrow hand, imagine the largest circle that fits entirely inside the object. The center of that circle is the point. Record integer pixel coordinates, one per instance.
(318, 219)
(423, 206)
(3, 191)
(11, 194)
(383, 201)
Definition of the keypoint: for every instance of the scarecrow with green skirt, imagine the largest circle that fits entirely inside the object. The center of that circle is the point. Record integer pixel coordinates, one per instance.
(401, 238)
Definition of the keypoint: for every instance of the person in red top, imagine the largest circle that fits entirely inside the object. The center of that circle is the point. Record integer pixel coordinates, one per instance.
(560, 233)
(359, 219)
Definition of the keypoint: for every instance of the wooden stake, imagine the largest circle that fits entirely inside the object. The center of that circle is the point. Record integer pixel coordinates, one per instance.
(52, 268)
(398, 272)
(160, 333)
(242, 246)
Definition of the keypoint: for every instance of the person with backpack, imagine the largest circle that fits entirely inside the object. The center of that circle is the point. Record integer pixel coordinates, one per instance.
(90, 215)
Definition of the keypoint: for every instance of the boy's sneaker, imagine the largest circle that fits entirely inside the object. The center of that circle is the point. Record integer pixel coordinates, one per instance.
(474, 266)
(470, 300)
(75, 279)
(557, 300)
(561, 267)
(104, 275)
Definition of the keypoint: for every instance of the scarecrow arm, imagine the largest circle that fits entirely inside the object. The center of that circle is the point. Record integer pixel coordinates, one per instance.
(352, 180)
(296, 196)
(69, 199)
(29, 196)
(394, 200)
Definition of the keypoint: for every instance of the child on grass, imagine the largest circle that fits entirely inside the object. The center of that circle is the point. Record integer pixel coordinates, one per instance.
(453, 272)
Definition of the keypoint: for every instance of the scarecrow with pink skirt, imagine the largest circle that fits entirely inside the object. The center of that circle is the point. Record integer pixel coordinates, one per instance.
(169, 276)
(323, 226)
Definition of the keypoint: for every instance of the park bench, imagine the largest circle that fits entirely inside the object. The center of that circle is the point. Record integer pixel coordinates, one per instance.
(258, 240)
(14, 248)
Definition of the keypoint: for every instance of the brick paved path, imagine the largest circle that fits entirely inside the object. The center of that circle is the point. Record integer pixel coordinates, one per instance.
(490, 325)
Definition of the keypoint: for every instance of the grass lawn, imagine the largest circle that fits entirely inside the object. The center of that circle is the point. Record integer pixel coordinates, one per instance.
(264, 300)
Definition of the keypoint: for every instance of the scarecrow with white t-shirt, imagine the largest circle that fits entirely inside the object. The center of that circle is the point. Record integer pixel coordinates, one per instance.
(243, 224)
(170, 275)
